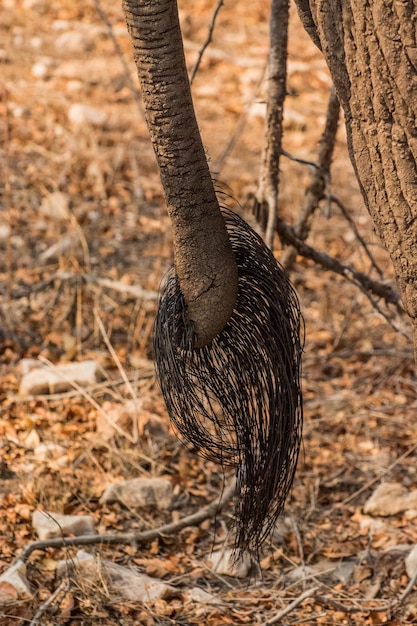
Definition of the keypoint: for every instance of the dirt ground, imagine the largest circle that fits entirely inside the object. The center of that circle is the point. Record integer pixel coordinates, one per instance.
(82, 227)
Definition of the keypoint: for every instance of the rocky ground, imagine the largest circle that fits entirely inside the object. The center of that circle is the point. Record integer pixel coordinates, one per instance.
(85, 243)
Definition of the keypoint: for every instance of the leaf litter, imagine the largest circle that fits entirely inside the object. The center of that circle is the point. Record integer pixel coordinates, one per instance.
(82, 229)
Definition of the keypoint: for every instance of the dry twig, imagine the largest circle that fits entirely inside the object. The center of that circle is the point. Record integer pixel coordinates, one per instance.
(361, 280)
(207, 41)
(119, 51)
(320, 182)
(133, 538)
(56, 598)
(293, 605)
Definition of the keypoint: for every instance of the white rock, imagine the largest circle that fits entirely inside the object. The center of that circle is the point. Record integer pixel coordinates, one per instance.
(95, 71)
(48, 525)
(195, 594)
(81, 114)
(13, 583)
(136, 587)
(73, 42)
(42, 68)
(117, 415)
(224, 563)
(49, 451)
(140, 492)
(34, 5)
(26, 365)
(411, 562)
(75, 563)
(59, 378)
(74, 85)
(55, 205)
(390, 499)
(36, 42)
(4, 232)
(122, 582)
(70, 245)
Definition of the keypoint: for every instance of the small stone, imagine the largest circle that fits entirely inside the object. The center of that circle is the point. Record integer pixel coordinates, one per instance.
(42, 68)
(55, 205)
(49, 451)
(224, 563)
(4, 232)
(390, 499)
(140, 492)
(121, 581)
(95, 71)
(73, 42)
(59, 378)
(66, 565)
(411, 562)
(195, 594)
(13, 584)
(49, 525)
(81, 114)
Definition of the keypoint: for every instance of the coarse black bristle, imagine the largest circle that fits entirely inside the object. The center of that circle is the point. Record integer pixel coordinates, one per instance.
(238, 400)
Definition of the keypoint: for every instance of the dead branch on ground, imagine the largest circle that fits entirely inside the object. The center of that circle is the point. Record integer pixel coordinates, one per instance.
(207, 41)
(136, 538)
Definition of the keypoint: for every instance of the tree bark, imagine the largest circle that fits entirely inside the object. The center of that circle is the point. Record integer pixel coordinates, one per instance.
(266, 202)
(204, 260)
(371, 49)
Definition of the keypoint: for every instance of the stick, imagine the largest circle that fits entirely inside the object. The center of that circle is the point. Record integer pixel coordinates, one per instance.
(361, 280)
(293, 605)
(119, 51)
(63, 589)
(146, 536)
(207, 41)
(319, 186)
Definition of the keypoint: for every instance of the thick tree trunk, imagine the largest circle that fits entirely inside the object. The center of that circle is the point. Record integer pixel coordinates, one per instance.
(204, 260)
(371, 49)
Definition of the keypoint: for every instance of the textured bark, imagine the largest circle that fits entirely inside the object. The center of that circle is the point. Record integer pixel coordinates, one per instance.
(266, 202)
(371, 49)
(204, 260)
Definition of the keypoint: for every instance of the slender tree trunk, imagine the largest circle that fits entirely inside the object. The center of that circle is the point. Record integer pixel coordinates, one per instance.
(204, 260)
(266, 204)
(370, 47)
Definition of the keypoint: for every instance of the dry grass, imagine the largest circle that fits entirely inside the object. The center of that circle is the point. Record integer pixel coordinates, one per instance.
(360, 392)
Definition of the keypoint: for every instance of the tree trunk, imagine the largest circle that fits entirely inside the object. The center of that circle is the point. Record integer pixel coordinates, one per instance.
(370, 47)
(204, 261)
(266, 203)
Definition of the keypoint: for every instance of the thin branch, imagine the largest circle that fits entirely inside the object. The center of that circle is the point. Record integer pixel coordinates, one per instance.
(119, 51)
(135, 291)
(293, 605)
(369, 483)
(54, 598)
(136, 538)
(122, 372)
(319, 186)
(296, 159)
(335, 200)
(207, 41)
(339, 606)
(221, 159)
(266, 205)
(361, 280)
